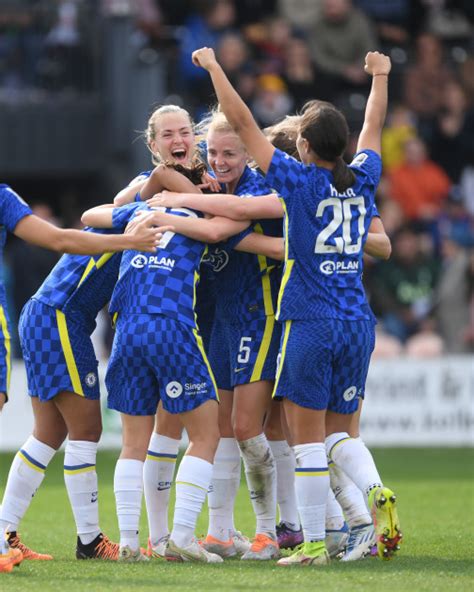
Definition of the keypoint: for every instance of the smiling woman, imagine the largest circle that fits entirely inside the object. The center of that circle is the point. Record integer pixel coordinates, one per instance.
(170, 135)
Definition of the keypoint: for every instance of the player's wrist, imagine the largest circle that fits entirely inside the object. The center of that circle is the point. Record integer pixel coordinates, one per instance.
(379, 74)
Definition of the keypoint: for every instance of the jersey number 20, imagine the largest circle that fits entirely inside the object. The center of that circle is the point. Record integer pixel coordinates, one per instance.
(342, 214)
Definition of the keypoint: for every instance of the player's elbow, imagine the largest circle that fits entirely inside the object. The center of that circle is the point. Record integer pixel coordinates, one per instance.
(387, 250)
(215, 235)
(59, 240)
(279, 250)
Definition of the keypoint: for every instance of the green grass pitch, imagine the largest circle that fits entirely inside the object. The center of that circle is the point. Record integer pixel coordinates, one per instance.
(436, 506)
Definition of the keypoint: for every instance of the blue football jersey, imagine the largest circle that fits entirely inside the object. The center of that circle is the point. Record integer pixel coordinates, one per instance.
(247, 284)
(12, 210)
(163, 282)
(325, 233)
(81, 285)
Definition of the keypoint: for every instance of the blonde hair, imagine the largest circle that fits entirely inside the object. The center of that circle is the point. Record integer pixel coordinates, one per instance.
(284, 133)
(215, 121)
(152, 128)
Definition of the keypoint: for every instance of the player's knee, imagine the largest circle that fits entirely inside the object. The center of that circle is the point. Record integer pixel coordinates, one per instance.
(51, 437)
(207, 438)
(136, 451)
(88, 433)
(245, 428)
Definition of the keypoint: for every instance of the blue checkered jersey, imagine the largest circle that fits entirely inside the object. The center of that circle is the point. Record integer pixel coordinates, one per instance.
(81, 285)
(247, 284)
(143, 176)
(12, 210)
(163, 282)
(325, 233)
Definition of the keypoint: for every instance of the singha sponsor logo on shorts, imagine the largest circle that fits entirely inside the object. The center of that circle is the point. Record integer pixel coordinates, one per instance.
(174, 389)
(337, 267)
(153, 262)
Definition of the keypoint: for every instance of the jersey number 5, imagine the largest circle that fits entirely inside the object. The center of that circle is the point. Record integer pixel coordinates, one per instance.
(342, 214)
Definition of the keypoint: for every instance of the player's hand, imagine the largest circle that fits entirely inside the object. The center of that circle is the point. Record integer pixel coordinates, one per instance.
(210, 183)
(143, 233)
(3, 399)
(377, 64)
(204, 58)
(165, 199)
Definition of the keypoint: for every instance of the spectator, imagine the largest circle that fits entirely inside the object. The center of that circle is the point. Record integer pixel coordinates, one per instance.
(399, 128)
(300, 75)
(204, 27)
(426, 343)
(395, 21)
(66, 63)
(425, 80)
(301, 14)
(452, 137)
(272, 44)
(233, 54)
(403, 287)
(272, 101)
(418, 185)
(453, 295)
(339, 42)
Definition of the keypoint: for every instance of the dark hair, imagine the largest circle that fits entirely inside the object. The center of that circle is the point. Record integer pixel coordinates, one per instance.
(194, 172)
(326, 130)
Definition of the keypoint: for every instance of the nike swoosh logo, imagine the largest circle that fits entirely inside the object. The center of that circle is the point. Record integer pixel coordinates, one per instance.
(238, 369)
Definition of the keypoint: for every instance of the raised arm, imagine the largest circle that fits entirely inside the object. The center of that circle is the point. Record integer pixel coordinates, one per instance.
(210, 230)
(235, 110)
(230, 206)
(38, 232)
(378, 243)
(378, 66)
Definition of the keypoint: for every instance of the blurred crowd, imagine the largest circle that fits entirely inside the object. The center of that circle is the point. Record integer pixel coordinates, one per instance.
(279, 54)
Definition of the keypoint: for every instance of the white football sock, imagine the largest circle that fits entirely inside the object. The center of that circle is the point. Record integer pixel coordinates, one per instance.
(334, 515)
(223, 489)
(128, 488)
(25, 477)
(158, 474)
(192, 484)
(285, 475)
(80, 477)
(260, 471)
(350, 497)
(312, 486)
(354, 458)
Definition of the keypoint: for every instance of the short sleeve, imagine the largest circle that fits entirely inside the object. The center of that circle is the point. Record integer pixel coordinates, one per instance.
(121, 216)
(375, 212)
(12, 208)
(139, 178)
(286, 174)
(233, 241)
(368, 163)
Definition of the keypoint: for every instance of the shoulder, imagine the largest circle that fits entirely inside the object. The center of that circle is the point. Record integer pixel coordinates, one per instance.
(140, 177)
(9, 196)
(368, 164)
